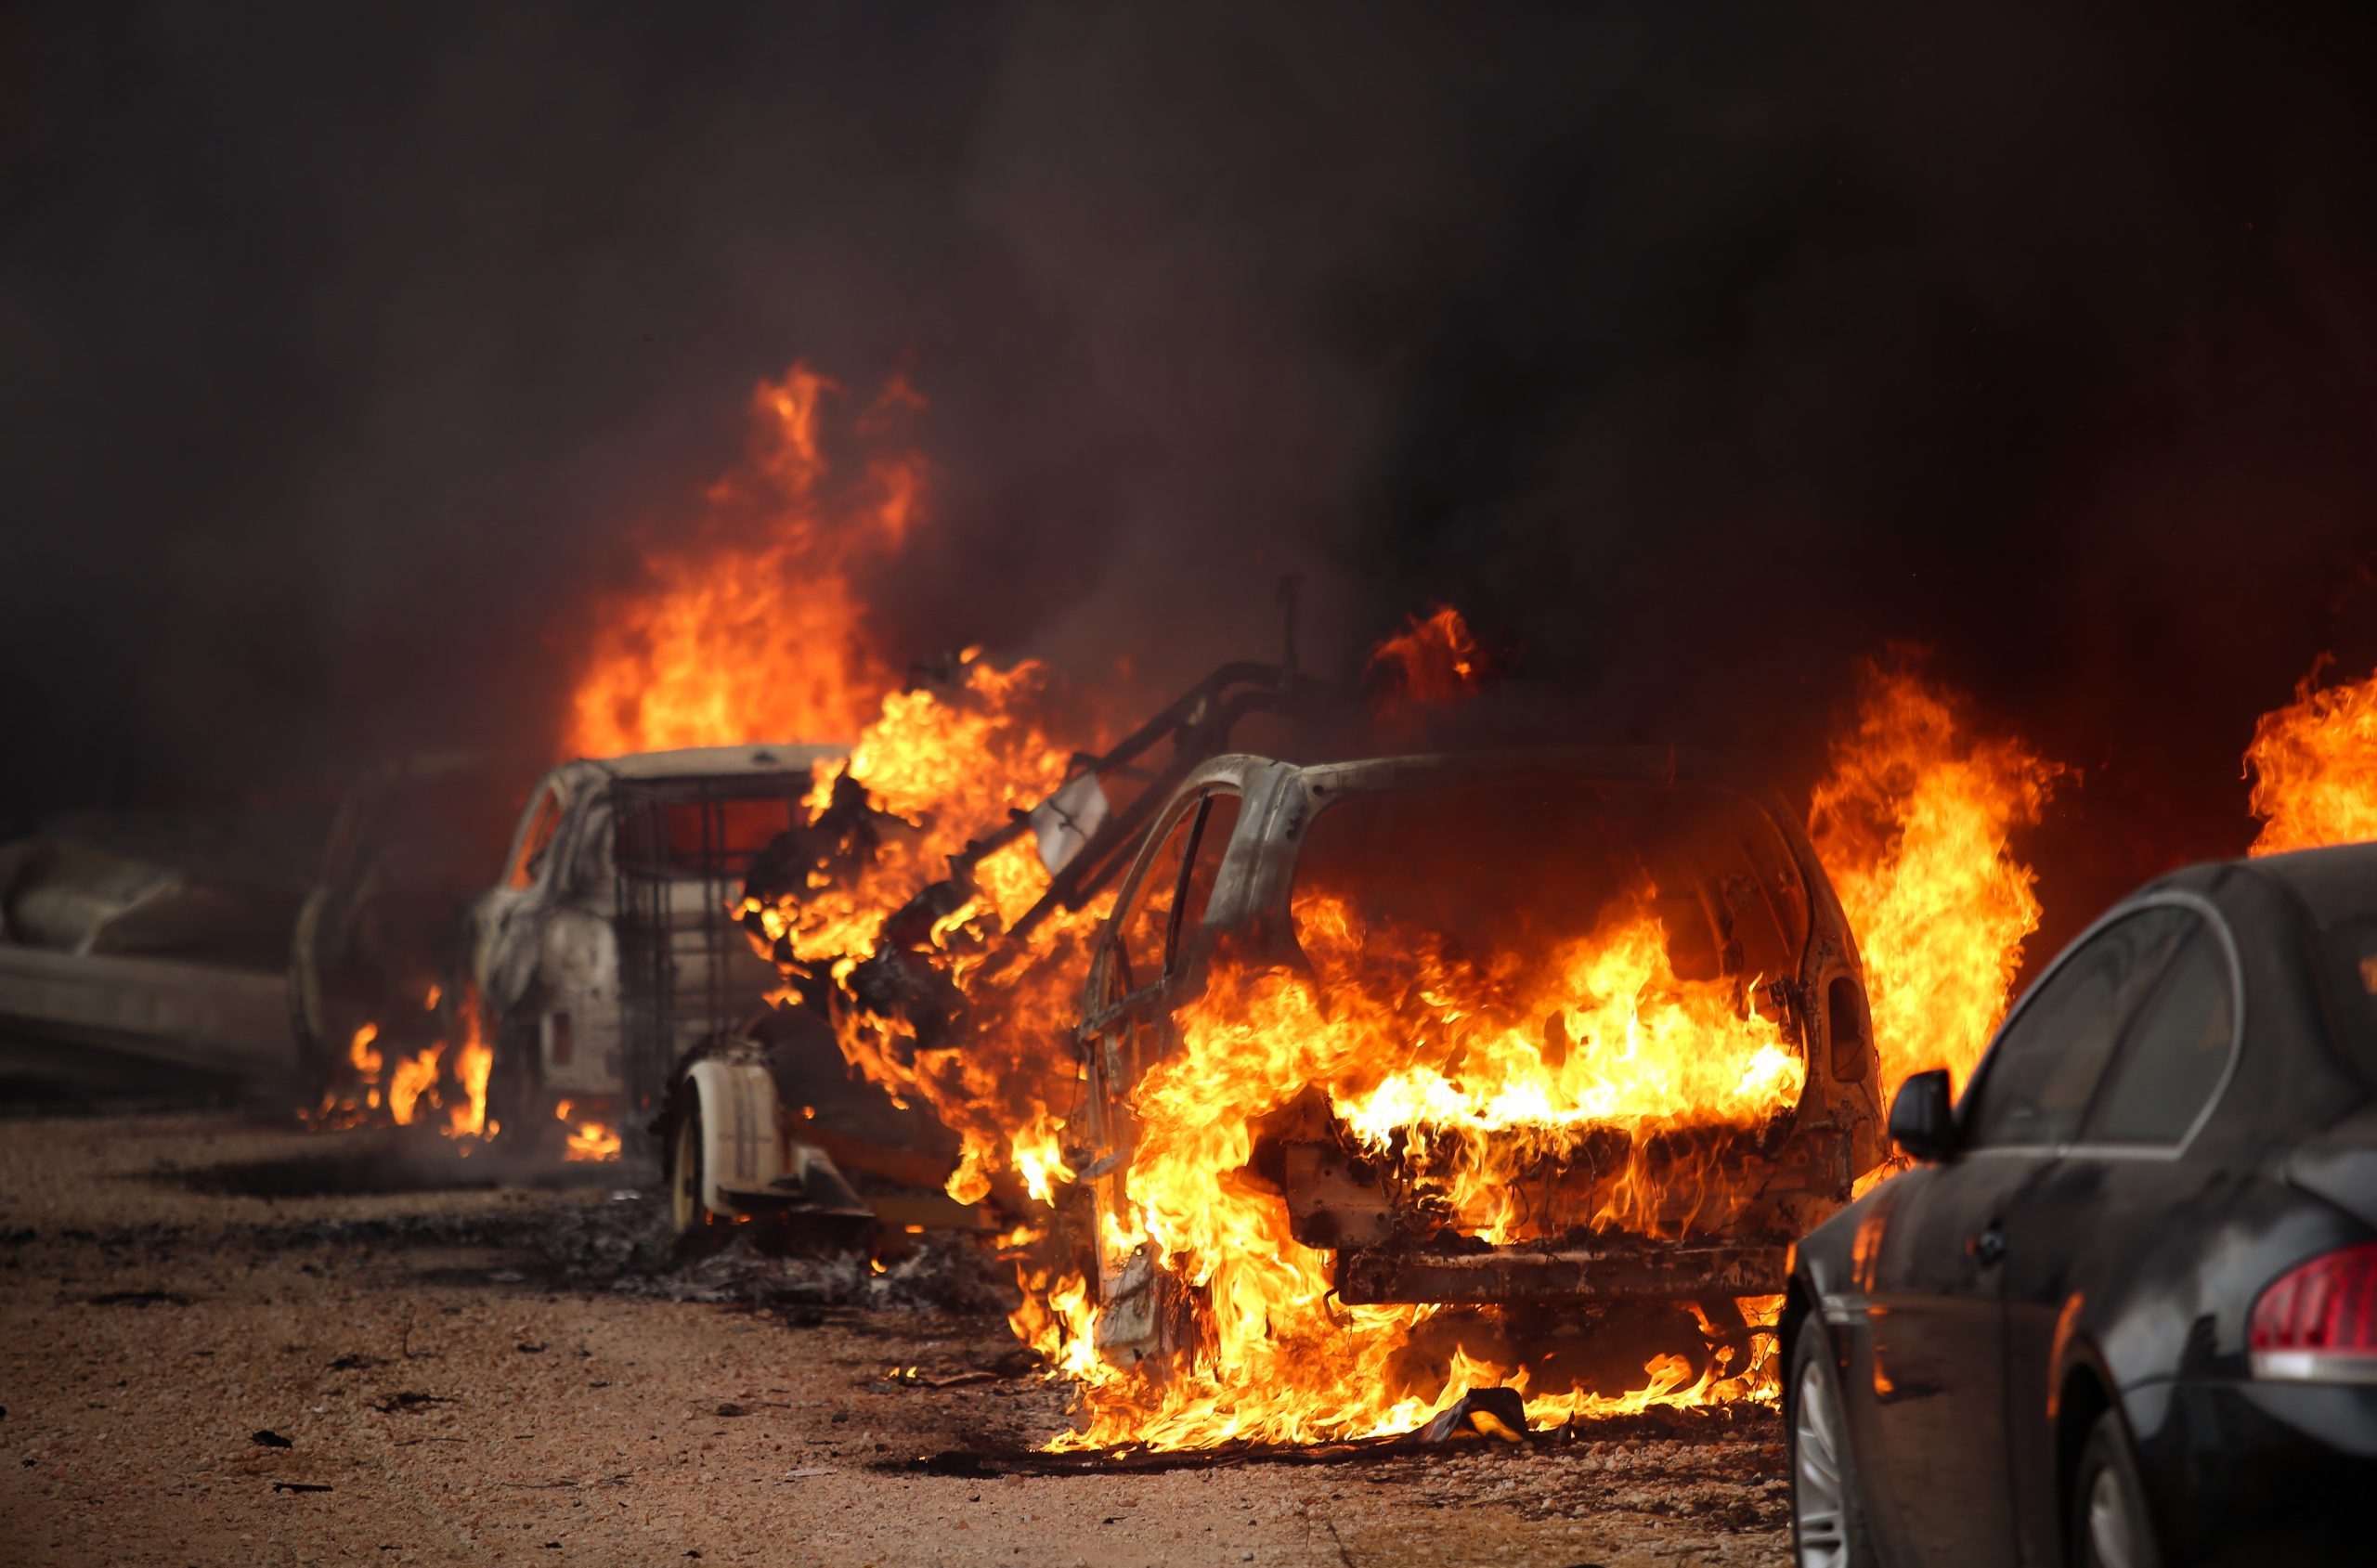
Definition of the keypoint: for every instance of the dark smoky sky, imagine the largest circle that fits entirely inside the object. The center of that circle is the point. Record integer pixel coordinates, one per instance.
(346, 351)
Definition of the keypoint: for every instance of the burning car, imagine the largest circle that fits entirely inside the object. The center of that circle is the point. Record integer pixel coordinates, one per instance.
(608, 971)
(1582, 1030)
(947, 964)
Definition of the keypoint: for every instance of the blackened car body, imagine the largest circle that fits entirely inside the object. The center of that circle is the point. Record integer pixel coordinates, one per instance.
(2124, 1309)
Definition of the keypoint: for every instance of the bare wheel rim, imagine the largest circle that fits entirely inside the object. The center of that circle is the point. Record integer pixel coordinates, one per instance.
(2110, 1529)
(1818, 1488)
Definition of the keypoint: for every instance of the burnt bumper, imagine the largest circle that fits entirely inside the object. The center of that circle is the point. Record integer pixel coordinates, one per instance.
(1632, 1270)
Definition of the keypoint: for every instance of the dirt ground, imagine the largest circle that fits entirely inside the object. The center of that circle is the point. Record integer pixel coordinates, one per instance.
(222, 1341)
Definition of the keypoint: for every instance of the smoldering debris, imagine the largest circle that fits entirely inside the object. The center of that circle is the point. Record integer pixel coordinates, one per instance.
(618, 1242)
(957, 1272)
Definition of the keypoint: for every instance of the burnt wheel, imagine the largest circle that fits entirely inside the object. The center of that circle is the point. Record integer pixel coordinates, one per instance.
(691, 1223)
(2109, 1525)
(1827, 1509)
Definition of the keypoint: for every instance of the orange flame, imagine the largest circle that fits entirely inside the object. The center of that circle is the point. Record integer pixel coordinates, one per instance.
(471, 1064)
(1434, 659)
(1445, 1069)
(412, 1078)
(948, 764)
(588, 1139)
(2315, 767)
(402, 1088)
(1913, 826)
(759, 632)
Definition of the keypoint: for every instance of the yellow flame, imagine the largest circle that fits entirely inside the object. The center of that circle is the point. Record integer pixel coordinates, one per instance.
(1913, 826)
(2314, 764)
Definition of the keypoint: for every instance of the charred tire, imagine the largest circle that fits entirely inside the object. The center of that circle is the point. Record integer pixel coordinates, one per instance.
(1828, 1527)
(2111, 1527)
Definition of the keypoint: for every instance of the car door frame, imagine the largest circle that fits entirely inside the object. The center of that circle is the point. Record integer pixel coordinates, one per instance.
(1139, 1021)
(577, 1019)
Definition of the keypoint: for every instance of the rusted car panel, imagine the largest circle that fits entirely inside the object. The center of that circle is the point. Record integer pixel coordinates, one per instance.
(1791, 1177)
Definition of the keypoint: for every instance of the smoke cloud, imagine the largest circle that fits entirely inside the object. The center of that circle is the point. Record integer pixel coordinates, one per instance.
(1698, 351)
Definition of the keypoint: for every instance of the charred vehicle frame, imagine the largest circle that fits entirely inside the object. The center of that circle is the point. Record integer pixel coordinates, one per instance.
(1233, 896)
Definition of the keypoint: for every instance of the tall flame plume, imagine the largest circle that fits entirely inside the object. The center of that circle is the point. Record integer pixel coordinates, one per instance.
(2314, 765)
(756, 630)
(1914, 825)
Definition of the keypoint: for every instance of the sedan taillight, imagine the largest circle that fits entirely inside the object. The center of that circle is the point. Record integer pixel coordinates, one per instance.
(2318, 1322)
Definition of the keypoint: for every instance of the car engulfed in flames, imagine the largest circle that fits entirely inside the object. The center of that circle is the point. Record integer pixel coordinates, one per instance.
(1360, 1153)
(1419, 1074)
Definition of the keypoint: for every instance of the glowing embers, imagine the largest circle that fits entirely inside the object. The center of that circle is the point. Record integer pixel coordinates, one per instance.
(2314, 765)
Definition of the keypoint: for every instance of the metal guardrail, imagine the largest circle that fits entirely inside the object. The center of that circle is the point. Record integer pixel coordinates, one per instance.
(230, 1022)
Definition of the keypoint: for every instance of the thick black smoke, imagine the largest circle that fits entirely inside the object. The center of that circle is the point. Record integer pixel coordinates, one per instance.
(1701, 350)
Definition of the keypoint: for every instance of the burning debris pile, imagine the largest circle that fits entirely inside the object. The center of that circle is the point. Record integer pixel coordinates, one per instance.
(412, 1076)
(883, 914)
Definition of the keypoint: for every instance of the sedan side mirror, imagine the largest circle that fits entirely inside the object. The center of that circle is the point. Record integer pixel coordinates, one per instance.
(1922, 1121)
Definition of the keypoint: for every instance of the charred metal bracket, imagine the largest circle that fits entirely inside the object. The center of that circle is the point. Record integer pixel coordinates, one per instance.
(900, 975)
(1197, 723)
(1634, 1269)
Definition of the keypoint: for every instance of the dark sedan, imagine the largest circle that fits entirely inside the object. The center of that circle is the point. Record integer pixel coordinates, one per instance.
(2124, 1311)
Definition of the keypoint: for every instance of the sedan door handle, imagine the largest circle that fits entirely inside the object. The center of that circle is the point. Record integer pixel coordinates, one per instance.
(1988, 1249)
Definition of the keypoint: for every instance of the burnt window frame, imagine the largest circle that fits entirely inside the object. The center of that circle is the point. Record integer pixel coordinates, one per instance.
(1196, 810)
(1796, 922)
(526, 864)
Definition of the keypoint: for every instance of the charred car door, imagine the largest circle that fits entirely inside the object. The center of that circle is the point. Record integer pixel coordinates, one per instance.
(577, 1026)
(1936, 1322)
(1135, 977)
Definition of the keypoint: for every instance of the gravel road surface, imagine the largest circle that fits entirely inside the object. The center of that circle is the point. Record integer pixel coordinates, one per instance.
(223, 1341)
